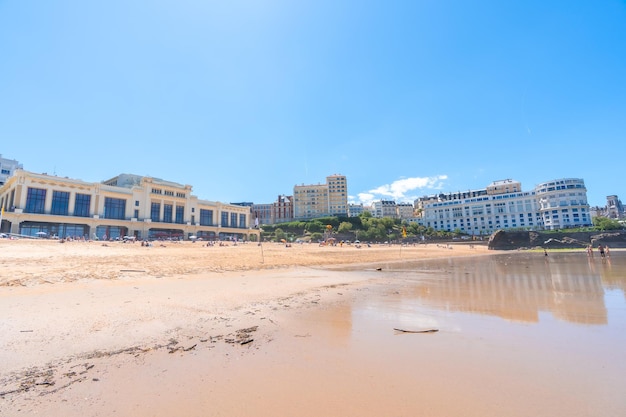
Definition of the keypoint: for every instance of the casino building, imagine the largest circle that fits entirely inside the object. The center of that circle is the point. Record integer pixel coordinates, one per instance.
(126, 205)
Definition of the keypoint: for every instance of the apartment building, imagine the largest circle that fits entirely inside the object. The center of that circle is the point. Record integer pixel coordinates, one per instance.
(126, 205)
(502, 205)
(355, 209)
(321, 200)
(337, 195)
(385, 208)
(405, 211)
(280, 211)
(563, 203)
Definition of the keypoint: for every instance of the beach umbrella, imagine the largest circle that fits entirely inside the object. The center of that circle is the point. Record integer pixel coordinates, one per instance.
(41, 233)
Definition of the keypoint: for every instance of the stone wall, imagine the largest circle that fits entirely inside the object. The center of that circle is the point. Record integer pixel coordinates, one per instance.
(506, 240)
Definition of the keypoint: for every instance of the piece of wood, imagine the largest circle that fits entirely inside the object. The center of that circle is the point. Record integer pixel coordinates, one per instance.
(417, 331)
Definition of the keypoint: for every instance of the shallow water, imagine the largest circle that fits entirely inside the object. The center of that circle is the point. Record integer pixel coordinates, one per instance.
(518, 335)
(532, 335)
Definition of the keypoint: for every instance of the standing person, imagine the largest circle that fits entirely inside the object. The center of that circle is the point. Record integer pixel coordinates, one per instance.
(606, 249)
(601, 250)
(590, 251)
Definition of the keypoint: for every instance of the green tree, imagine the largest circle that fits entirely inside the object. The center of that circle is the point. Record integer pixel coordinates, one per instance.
(344, 227)
(279, 234)
(315, 226)
(604, 223)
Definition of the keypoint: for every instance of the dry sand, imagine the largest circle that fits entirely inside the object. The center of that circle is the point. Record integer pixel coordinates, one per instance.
(87, 327)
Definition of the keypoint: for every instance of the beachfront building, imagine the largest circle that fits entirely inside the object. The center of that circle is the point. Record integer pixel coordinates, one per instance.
(126, 205)
(563, 203)
(321, 200)
(503, 205)
(7, 168)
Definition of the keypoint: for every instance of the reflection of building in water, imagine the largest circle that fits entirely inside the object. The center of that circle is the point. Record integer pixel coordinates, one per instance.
(612, 270)
(514, 290)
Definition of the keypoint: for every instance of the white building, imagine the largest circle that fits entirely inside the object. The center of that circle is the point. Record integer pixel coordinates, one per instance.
(384, 208)
(502, 205)
(563, 203)
(355, 209)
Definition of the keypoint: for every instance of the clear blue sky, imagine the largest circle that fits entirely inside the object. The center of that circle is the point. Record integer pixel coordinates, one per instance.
(245, 99)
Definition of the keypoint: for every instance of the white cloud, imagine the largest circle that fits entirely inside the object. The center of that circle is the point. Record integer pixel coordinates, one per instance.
(402, 190)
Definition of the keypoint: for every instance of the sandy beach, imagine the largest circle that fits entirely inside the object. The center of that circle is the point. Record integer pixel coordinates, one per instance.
(100, 329)
(68, 303)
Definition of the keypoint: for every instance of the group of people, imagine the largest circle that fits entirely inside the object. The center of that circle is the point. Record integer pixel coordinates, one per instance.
(603, 249)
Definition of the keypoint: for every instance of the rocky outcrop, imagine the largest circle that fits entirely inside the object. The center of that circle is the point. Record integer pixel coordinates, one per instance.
(509, 240)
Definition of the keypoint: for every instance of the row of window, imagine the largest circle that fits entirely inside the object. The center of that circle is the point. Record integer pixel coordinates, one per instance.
(115, 208)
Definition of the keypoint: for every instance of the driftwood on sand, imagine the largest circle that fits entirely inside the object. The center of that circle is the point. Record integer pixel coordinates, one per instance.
(417, 331)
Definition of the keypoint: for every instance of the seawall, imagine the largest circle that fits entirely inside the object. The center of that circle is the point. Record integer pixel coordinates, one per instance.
(508, 240)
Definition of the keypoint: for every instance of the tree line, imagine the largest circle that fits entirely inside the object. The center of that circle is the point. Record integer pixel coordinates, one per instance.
(373, 229)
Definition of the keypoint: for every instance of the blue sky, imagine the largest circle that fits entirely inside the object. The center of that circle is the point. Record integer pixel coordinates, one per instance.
(245, 99)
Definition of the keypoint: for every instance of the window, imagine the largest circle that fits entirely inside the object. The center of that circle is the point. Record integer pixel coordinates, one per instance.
(35, 200)
(136, 215)
(206, 217)
(224, 219)
(233, 219)
(180, 214)
(167, 213)
(82, 202)
(60, 203)
(242, 220)
(155, 212)
(114, 208)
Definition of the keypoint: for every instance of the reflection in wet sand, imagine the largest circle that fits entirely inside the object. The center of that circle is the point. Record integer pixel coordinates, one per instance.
(515, 287)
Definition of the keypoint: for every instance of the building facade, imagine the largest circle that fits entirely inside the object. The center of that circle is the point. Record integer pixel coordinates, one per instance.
(405, 211)
(337, 195)
(502, 205)
(126, 205)
(563, 203)
(7, 168)
(280, 211)
(614, 207)
(321, 200)
(384, 208)
(355, 209)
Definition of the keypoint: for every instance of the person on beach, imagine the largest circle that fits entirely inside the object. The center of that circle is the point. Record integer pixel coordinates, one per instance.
(590, 251)
(606, 250)
(601, 250)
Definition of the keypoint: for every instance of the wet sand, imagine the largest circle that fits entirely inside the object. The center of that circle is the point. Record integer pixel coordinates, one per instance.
(190, 330)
